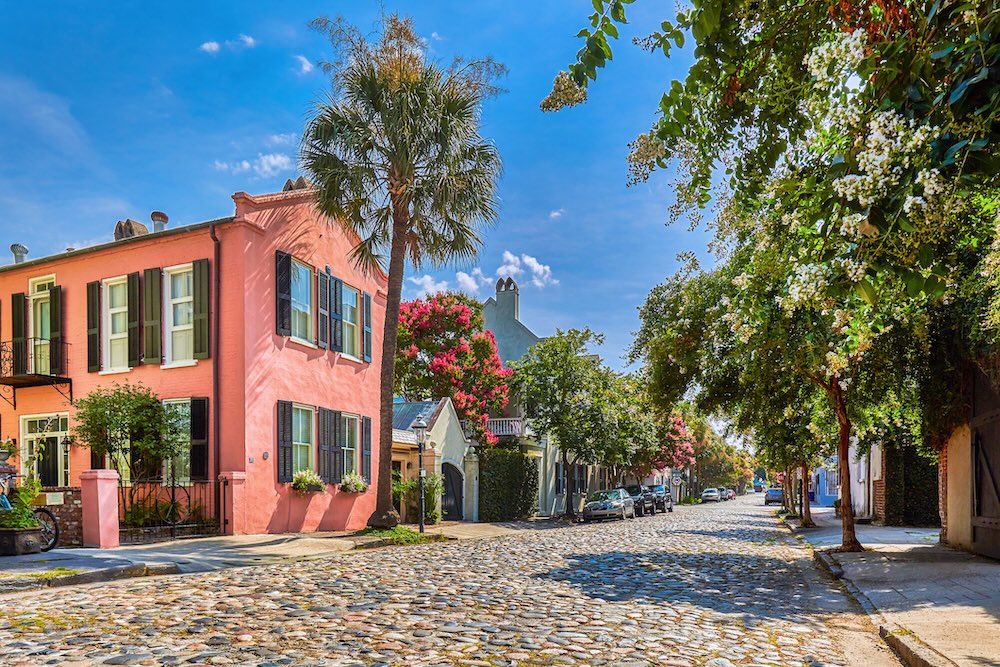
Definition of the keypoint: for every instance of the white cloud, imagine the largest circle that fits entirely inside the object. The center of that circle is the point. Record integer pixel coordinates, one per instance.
(305, 66)
(248, 41)
(436, 37)
(282, 139)
(556, 214)
(232, 167)
(264, 166)
(470, 283)
(511, 265)
(210, 47)
(426, 285)
(541, 274)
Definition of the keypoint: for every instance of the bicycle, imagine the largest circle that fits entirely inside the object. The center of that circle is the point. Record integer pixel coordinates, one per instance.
(46, 519)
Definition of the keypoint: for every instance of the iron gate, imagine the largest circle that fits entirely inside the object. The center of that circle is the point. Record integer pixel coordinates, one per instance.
(985, 469)
(154, 510)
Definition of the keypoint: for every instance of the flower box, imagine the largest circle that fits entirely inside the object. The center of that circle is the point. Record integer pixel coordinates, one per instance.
(20, 541)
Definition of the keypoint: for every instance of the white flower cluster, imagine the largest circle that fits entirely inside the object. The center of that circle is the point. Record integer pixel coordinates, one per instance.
(806, 286)
(742, 281)
(853, 269)
(834, 61)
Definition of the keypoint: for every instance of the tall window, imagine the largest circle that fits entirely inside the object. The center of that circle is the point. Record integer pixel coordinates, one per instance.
(178, 468)
(352, 300)
(40, 324)
(302, 438)
(179, 309)
(44, 452)
(350, 426)
(302, 302)
(116, 324)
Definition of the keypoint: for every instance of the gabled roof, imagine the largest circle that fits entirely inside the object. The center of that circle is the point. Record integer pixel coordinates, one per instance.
(403, 414)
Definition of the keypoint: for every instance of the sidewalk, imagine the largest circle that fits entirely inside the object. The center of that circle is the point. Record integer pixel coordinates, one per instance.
(77, 566)
(918, 589)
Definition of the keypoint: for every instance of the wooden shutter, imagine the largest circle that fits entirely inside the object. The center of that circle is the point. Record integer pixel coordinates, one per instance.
(283, 292)
(559, 478)
(323, 309)
(284, 441)
(152, 309)
(19, 340)
(200, 307)
(337, 452)
(47, 462)
(368, 327)
(134, 342)
(326, 444)
(366, 448)
(55, 331)
(336, 314)
(199, 438)
(94, 328)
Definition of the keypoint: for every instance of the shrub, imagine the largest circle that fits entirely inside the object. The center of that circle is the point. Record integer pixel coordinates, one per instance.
(508, 484)
(397, 535)
(22, 514)
(433, 487)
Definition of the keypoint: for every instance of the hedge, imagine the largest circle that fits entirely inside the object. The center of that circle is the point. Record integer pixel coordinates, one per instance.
(508, 484)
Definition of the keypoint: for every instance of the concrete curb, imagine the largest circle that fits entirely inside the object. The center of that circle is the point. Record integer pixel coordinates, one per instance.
(130, 571)
(904, 643)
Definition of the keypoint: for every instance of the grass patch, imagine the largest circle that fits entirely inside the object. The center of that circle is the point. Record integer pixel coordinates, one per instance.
(397, 535)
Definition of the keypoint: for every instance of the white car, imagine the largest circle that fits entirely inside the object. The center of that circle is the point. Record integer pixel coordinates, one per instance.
(710, 496)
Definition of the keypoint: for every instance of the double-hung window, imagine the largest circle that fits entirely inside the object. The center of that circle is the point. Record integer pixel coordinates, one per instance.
(302, 302)
(352, 328)
(350, 426)
(116, 324)
(177, 469)
(303, 440)
(179, 315)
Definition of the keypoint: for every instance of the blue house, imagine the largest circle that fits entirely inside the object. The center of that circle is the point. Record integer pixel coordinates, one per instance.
(825, 483)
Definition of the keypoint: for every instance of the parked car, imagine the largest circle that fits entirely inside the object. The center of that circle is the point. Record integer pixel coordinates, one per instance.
(642, 496)
(609, 504)
(758, 488)
(723, 493)
(662, 498)
(774, 495)
(710, 496)
(730, 494)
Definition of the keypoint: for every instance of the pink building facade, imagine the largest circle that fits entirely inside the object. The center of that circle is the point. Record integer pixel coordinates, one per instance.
(257, 327)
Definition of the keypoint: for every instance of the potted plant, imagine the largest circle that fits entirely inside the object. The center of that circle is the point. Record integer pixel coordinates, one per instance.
(307, 481)
(20, 532)
(836, 507)
(352, 482)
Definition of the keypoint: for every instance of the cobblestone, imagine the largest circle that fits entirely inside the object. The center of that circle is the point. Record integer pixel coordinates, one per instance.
(717, 585)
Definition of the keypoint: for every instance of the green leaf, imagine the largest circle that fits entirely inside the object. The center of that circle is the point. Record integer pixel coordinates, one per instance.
(598, 5)
(933, 11)
(611, 29)
(618, 11)
(914, 284)
(941, 53)
(679, 38)
(925, 256)
(934, 287)
(867, 292)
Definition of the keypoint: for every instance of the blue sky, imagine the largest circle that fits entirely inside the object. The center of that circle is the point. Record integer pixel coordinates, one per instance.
(107, 114)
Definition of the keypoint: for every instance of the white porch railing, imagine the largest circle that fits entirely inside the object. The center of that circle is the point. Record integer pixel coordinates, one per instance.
(507, 427)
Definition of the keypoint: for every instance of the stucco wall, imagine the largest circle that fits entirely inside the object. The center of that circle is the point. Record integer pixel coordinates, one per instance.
(959, 485)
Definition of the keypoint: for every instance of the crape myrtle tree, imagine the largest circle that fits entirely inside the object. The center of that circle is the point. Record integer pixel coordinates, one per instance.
(443, 350)
(397, 160)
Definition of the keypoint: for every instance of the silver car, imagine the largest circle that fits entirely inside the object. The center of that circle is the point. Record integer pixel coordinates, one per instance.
(710, 496)
(609, 504)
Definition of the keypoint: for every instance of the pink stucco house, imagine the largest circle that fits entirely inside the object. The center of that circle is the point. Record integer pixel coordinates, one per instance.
(257, 326)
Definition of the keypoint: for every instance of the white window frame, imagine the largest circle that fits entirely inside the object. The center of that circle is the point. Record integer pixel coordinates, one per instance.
(184, 457)
(312, 433)
(311, 309)
(356, 337)
(106, 313)
(345, 420)
(168, 318)
(63, 447)
(35, 297)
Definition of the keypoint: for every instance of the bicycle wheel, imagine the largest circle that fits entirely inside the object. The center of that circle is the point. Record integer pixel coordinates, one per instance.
(50, 528)
(171, 512)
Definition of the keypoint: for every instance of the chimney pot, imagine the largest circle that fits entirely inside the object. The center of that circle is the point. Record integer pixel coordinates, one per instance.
(159, 219)
(20, 251)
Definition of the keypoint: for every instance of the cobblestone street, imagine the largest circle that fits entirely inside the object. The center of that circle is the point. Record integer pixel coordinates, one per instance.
(715, 584)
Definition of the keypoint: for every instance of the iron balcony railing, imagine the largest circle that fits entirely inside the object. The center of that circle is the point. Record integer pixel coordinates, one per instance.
(26, 357)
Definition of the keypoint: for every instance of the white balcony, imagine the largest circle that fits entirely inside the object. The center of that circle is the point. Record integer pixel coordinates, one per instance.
(507, 427)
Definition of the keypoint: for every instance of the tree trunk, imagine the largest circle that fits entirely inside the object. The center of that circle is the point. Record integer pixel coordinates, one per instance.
(849, 539)
(807, 521)
(788, 490)
(570, 510)
(385, 515)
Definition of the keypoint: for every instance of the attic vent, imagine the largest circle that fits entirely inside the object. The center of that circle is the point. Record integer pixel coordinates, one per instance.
(126, 229)
(300, 183)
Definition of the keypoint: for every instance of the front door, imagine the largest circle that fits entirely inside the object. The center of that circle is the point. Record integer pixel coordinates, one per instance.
(452, 503)
(986, 469)
(45, 453)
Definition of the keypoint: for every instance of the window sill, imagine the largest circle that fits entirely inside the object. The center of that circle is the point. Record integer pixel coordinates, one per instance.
(351, 357)
(180, 364)
(114, 371)
(303, 343)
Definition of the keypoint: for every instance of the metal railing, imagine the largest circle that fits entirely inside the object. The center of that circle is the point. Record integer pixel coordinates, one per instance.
(32, 356)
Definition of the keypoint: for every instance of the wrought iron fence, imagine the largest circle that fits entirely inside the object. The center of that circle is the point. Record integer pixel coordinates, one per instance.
(154, 510)
(32, 356)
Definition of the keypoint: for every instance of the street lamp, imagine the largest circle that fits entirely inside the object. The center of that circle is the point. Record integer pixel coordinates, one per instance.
(419, 426)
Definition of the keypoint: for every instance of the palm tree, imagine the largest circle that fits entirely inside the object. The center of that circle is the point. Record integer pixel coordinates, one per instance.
(396, 158)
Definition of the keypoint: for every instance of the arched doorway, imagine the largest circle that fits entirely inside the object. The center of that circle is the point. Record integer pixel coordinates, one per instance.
(451, 504)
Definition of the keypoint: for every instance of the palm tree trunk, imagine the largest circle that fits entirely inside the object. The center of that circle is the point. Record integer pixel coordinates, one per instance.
(385, 515)
(849, 539)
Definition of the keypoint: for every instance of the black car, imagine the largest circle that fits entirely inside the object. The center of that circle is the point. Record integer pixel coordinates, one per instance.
(662, 498)
(644, 499)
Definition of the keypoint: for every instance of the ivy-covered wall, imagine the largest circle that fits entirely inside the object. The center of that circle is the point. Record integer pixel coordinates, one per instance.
(508, 484)
(911, 488)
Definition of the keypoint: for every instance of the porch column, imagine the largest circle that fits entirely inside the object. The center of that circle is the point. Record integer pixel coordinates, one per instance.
(234, 508)
(471, 491)
(99, 502)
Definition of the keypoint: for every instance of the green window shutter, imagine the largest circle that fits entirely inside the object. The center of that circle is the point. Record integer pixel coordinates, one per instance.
(134, 342)
(56, 360)
(338, 435)
(368, 326)
(283, 292)
(325, 444)
(284, 463)
(19, 340)
(199, 438)
(93, 328)
(200, 278)
(323, 309)
(152, 316)
(366, 448)
(336, 314)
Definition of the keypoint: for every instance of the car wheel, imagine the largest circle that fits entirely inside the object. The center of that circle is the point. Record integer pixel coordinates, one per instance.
(623, 517)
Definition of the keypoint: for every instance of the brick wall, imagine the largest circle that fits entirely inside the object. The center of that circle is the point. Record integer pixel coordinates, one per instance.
(69, 513)
(878, 491)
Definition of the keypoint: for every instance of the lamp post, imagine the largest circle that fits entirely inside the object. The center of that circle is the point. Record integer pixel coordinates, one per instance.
(419, 426)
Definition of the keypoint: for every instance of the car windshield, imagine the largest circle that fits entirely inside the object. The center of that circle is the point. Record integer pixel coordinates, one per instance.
(633, 490)
(711, 491)
(659, 488)
(602, 495)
